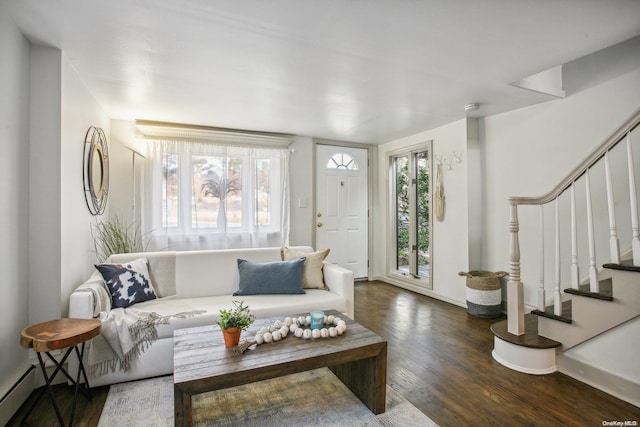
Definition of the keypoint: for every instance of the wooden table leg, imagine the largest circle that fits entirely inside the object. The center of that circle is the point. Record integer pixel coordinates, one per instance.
(182, 407)
(367, 379)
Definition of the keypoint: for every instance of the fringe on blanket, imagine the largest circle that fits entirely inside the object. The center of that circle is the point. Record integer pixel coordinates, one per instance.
(143, 333)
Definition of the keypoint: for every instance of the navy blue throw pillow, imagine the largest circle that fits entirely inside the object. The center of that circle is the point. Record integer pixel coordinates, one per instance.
(280, 277)
(128, 283)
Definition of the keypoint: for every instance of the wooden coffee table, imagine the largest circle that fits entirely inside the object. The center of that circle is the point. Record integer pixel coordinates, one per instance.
(201, 363)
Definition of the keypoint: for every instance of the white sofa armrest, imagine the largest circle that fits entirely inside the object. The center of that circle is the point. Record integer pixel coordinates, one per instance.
(81, 305)
(339, 280)
(89, 299)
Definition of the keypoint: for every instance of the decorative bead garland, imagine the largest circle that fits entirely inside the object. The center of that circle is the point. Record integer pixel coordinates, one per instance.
(281, 329)
(296, 325)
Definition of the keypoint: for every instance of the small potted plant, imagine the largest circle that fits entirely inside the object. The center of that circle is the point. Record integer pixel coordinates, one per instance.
(234, 321)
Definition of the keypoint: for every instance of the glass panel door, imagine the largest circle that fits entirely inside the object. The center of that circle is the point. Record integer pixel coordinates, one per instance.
(402, 179)
(423, 206)
(411, 213)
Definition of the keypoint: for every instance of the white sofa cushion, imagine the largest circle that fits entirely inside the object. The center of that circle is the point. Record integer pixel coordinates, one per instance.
(161, 269)
(129, 282)
(212, 273)
(268, 278)
(261, 306)
(312, 270)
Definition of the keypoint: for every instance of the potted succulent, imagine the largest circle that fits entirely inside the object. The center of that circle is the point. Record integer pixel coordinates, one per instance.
(234, 321)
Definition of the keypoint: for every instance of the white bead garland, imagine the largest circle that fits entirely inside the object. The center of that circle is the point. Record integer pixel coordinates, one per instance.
(280, 329)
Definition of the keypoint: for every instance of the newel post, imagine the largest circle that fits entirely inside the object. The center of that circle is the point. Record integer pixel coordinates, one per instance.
(515, 292)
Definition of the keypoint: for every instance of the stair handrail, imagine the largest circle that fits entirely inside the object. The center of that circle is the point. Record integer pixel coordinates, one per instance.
(515, 291)
(628, 126)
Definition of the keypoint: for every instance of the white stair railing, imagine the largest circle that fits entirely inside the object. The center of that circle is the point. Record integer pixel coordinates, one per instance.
(515, 289)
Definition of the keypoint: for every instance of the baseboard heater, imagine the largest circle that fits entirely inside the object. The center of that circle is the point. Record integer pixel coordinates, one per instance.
(16, 395)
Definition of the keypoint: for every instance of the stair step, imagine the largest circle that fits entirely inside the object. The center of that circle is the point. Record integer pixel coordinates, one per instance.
(605, 294)
(531, 338)
(548, 312)
(624, 265)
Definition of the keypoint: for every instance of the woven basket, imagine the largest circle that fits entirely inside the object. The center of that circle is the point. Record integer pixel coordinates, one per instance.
(484, 293)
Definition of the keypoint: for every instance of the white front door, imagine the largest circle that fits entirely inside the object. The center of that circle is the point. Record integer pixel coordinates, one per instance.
(342, 206)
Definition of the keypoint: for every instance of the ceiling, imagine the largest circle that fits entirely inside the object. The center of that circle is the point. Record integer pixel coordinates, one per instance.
(353, 70)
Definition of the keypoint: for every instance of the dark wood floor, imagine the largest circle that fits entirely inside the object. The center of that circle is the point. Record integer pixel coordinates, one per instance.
(43, 415)
(439, 358)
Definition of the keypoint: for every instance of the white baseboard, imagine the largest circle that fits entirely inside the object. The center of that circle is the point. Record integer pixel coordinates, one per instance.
(15, 389)
(15, 392)
(602, 380)
(419, 290)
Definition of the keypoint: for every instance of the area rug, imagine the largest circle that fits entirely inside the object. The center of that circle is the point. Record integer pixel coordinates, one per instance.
(313, 398)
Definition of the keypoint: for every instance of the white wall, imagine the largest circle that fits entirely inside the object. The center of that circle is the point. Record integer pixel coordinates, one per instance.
(62, 110)
(121, 169)
(59, 222)
(301, 170)
(45, 112)
(79, 111)
(45, 185)
(14, 199)
(475, 194)
(450, 238)
(523, 152)
(530, 150)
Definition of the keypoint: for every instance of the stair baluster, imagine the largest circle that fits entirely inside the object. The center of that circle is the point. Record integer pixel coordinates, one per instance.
(633, 196)
(515, 291)
(541, 291)
(593, 271)
(614, 243)
(575, 269)
(557, 300)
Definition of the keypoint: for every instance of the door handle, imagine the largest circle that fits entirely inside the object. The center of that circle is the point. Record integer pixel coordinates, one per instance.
(319, 225)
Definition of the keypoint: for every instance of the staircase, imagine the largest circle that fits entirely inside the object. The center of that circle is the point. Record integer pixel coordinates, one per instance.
(581, 220)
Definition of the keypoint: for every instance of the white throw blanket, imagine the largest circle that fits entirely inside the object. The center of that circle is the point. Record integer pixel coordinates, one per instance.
(125, 335)
(101, 297)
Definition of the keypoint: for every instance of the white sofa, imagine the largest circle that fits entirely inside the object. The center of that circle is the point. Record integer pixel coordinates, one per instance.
(205, 280)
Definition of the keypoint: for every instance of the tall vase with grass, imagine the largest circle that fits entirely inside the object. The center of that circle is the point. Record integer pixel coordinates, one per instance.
(115, 235)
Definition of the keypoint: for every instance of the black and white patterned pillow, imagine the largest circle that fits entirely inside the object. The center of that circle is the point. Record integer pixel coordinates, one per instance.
(129, 283)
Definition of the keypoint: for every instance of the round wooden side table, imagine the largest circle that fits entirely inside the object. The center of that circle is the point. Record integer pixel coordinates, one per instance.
(56, 335)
